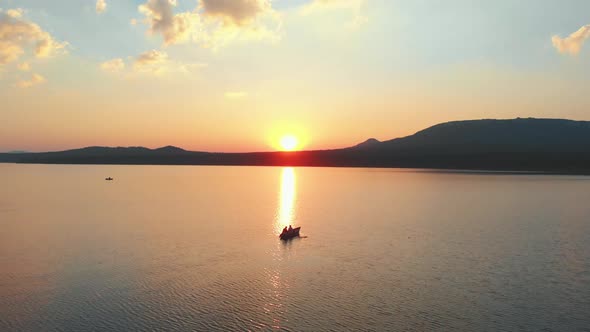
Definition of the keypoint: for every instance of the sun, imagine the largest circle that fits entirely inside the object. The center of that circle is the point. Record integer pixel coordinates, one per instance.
(289, 143)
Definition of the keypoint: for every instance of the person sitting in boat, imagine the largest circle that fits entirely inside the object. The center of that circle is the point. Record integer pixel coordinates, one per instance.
(290, 228)
(284, 230)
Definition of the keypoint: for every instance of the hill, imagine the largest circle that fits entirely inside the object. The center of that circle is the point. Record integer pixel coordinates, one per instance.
(544, 145)
(524, 135)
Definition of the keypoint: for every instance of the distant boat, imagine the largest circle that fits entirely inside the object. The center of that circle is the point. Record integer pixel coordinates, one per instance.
(287, 235)
(109, 179)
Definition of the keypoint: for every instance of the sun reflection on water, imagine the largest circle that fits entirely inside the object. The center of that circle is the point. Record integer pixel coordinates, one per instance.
(287, 196)
(278, 285)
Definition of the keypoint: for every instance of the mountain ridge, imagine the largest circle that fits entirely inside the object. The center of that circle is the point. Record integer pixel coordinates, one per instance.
(522, 144)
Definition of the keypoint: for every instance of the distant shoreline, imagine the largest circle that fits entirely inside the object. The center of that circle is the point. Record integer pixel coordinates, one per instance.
(400, 169)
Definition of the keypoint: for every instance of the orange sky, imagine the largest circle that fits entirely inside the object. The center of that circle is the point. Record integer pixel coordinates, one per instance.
(238, 79)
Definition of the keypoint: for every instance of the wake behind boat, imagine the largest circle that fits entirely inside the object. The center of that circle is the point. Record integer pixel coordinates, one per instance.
(289, 233)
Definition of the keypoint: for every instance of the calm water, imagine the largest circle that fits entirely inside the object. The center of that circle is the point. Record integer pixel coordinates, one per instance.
(196, 248)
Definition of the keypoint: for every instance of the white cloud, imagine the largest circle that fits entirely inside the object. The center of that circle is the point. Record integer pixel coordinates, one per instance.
(36, 79)
(101, 6)
(150, 58)
(174, 28)
(573, 43)
(15, 13)
(113, 66)
(213, 23)
(157, 63)
(153, 62)
(237, 12)
(18, 35)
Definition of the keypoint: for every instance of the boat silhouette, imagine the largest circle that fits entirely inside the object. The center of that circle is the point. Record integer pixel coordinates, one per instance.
(289, 234)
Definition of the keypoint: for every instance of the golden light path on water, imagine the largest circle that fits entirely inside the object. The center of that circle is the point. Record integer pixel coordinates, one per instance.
(287, 197)
(285, 216)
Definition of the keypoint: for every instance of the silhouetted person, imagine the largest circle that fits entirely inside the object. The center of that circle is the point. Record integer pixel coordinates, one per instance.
(290, 228)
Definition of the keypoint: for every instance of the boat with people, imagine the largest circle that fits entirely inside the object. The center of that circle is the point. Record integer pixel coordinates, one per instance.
(289, 233)
(109, 179)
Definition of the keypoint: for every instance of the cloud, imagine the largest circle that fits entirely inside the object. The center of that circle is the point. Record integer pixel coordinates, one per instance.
(25, 66)
(236, 94)
(157, 63)
(152, 63)
(227, 21)
(213, 23)
(573, 43)
(113, 66)
(237, 12)
(18, 35)
(174, 28)
(150, 58)
(15, 13)
(36, 79)
(101, 6)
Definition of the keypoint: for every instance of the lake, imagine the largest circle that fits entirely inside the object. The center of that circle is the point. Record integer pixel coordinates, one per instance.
(196, 248)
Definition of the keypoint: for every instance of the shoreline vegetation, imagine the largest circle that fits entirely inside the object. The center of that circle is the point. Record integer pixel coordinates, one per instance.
(517, 146)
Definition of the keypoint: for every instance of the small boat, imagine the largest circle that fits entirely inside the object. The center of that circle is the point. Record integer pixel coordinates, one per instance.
(109, 179)
(289, 234)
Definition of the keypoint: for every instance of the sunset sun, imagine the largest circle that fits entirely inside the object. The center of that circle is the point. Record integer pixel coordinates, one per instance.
(289, 143)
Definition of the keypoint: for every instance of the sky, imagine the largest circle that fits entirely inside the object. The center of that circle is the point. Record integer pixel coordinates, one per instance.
(237, 75)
